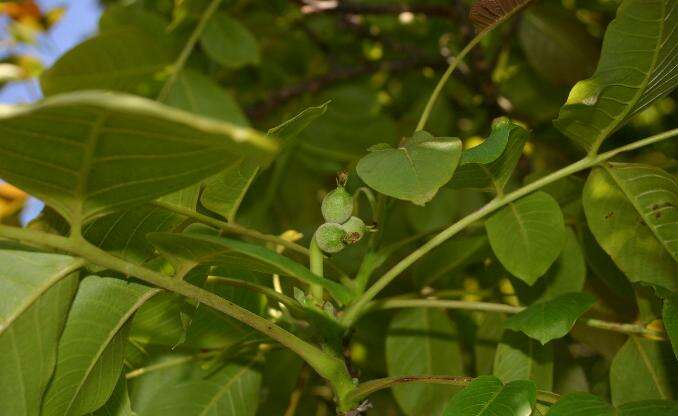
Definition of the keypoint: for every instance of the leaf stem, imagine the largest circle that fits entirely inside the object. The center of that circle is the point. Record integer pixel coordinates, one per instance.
(444, 78)
(179, 64)
(503, 308)
(316, 267)
(329, 367)
(230, 227)
(363, 390)
(354, 311)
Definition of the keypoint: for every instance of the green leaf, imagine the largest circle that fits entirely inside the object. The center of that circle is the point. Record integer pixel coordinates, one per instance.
(292, 127)
(117, 18)
(643, 369)
(90, 153)
(487, 396)
(489, 165)
(124, 233)
(231, 391)
(551, 319)
(567, 274)
(649, 407)
(92, 347)
(528, 235)
(632, 210)
(585, 404)
(556, 44)
(198, 94)
(422, 342)
(202, 245)
(670, 319)
(581, 404)
(636, 67)
(126, 60)
(280, 374)
(119, 403)
(415, 170)
(519, 357)
(450, 256)
(225, 191)
(228, 42)
(37, 290)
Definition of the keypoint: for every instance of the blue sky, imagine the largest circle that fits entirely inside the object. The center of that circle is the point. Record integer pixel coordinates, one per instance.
(78, 23)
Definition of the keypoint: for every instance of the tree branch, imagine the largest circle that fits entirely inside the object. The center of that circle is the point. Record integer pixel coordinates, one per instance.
(356, 309)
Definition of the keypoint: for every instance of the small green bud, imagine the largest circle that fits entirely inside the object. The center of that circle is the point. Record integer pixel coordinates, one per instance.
(337, 206)
(330, 237)
(355, 229)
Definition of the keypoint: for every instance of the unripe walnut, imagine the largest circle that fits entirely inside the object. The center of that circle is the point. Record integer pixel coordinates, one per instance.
(355, 229)
(337, 206)
(330, 237)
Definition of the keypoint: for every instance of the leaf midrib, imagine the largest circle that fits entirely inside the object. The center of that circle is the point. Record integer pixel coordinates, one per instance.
(105, 345)
(605, 133)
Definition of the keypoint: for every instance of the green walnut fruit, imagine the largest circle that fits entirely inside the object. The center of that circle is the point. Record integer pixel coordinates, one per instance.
(355, 229)
(337, 206)
(330, 237)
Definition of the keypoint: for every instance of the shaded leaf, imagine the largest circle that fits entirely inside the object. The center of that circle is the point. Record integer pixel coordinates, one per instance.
(585, 404)
(37, 290)
(415, 170)
(489, 165)
(124, 233)
(527, 235)
(557, 45)
(198, 94)
(228, 42)
(551, 319)
(422, 342)
(231, 391)
(519, 357)
(636, 67)
(202, 245)
(487, 396)
(90, 153)
(119, 403)
(124, 60)
(632, 210)
(92, 347)
(292, 127)
(225, 191)
(643, 369)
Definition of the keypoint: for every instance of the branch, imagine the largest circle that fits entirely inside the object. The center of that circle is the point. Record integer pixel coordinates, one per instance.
(354, 311)
(259, 111)
(502, 308)
(343, 7)
(178, 65)
(329, 367)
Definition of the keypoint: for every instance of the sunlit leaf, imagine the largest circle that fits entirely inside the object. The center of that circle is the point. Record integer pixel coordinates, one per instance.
(37, 290)
(415, 170)
(92, 347)
(228, 42)
(637, 67)
(632, 210)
